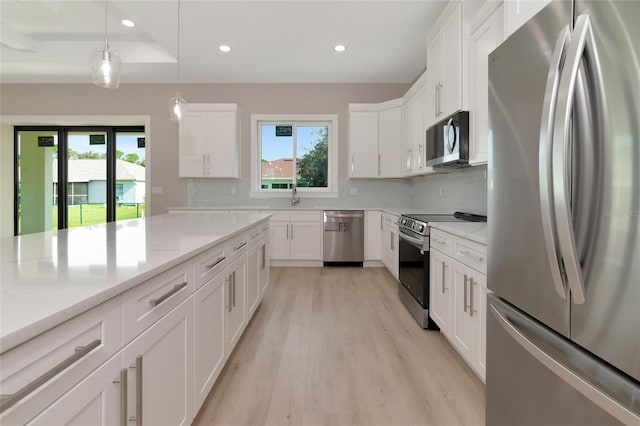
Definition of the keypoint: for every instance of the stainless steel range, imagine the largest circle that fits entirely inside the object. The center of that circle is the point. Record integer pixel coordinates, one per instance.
(414, 260)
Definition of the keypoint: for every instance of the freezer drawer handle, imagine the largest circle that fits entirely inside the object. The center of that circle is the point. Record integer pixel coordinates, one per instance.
(7, 401)
(604, 401)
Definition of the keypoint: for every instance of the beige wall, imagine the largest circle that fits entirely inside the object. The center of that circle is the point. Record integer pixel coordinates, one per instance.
(152, 100)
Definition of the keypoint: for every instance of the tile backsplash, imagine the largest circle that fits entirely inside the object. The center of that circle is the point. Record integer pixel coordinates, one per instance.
(459, 190)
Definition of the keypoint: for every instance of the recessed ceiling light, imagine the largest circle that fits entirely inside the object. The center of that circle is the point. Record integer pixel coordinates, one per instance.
(224, 48)
(128, 23)
(339, 48)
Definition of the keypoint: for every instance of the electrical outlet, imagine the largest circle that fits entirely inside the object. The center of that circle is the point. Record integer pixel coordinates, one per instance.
(353, 190)
(233, 190)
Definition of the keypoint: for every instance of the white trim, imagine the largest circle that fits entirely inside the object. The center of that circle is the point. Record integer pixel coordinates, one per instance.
(332, 187)
(98, 120)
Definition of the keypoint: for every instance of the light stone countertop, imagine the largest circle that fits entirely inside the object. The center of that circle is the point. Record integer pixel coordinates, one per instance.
(265, 208)
(474, 231)
(50, 277)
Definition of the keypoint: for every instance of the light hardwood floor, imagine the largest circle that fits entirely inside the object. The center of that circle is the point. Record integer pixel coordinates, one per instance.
(335, 346)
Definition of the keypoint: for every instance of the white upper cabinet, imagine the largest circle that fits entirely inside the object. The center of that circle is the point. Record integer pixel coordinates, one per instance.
(444, 66)
(375, 134)
(517, 12)
(210, 141)
(486, 34)
(413, 130)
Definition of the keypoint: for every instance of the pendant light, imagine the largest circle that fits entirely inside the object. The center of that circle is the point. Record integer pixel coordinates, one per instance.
(105, 63)
(177, 104)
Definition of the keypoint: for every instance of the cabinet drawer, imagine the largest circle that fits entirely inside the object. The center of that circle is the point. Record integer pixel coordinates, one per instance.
(277, 215)
(42, 369)
(390, 222)
(148, 302)
(257, 233)
(440, 241)
(236, 247)
(306, 216)
(208, 264)
(470, 253)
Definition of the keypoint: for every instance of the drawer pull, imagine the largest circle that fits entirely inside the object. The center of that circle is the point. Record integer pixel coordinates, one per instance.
(438, 241)
(174, 290)
(472, 256)
(216, 262)
(138, 367)
(257, 234)
(123, 396)
(7, 401)
(238, 247)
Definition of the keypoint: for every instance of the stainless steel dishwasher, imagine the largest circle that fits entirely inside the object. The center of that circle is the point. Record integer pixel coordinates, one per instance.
(343, 238)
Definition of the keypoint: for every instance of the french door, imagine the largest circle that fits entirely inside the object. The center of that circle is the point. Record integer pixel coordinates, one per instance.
(76, 176)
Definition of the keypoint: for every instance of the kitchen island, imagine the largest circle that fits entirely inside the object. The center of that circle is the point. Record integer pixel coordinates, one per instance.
(79, 301)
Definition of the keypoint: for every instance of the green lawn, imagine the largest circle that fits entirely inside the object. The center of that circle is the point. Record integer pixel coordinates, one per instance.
(91, 214)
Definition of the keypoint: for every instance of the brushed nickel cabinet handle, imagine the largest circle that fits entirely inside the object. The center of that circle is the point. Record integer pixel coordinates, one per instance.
(138, 367)
(471, 297)
(233, 280)
(216, 262)
(123, 396)
(264, 256)
(229, 297)
(379, 160)
(7, 401)
(443, 266)
(471, 255)
(465, 292)
(239, 246)
(174, 290)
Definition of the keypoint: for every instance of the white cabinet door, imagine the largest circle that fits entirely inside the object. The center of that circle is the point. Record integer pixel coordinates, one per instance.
(254, 263)
(235, 314)
(279, 240)
(160, 370)
(222, 156)
(263, 272)
(372, 235)
(96, 400)
(444, 69)
(363, 144)
(208, 322)
(193, 145)
(481, 357)
(466, 310)
(390, 142)
(440, 288)
(518, 12)
(434, 81)
(395, 255)
(385, 249)
(451, 95)
(413, 133)
(483, 40)
(306, 240)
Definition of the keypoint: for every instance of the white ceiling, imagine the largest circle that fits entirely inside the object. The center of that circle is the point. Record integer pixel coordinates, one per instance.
(49, 41)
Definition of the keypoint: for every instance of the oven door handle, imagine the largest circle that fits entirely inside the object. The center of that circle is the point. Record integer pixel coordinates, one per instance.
(416, 242)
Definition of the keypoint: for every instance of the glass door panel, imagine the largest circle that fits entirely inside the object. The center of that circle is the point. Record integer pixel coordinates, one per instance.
(130, 175)
(37, 181)
(86, 178)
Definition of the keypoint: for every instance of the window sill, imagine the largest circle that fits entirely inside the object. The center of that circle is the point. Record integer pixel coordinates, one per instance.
(301, 194)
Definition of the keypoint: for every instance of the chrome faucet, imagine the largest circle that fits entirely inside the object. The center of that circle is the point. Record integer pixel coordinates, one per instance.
(294, 195)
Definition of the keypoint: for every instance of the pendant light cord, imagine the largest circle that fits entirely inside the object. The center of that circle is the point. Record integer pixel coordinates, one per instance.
(179, 8)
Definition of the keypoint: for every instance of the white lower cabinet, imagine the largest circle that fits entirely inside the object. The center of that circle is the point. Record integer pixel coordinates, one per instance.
(208, 328)
(295, 235)
(235, 304)
(390, 241)
(458, 293)
(148, 356)
(440, 287)
(372, 235)
(160, 370)
(96, 400)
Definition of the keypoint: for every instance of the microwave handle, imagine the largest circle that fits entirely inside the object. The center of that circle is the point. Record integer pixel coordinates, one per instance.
(450, 125)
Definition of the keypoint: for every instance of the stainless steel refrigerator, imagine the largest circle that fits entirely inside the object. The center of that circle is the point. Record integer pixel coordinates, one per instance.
(563, 322)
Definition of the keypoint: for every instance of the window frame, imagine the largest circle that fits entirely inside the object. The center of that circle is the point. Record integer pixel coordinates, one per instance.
(331, 120)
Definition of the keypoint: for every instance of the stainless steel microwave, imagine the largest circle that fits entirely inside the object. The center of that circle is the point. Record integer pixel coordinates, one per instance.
(448, 142)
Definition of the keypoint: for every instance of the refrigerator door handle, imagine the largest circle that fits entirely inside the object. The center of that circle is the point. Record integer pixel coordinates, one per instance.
(524, 331)
(582, 47)
(544, 161)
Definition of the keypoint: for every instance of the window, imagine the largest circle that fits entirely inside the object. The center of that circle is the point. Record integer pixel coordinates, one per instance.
(293, 150)
(119, 192)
